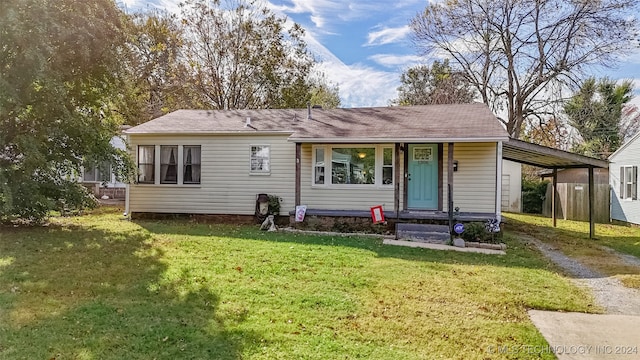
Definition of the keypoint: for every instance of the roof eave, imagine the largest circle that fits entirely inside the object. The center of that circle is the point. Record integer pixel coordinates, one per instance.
(200, 133)
(348, 140)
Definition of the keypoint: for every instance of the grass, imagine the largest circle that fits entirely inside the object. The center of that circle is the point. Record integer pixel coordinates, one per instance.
(572, 238)
(99, 287)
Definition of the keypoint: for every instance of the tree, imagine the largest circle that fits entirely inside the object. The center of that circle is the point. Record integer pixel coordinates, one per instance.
(241, 55)
(439, 84)
(57, 66)
(596, 112)
(517, 53)
(155, 74)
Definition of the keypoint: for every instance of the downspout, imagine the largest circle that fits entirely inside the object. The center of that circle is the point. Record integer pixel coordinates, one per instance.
(126, 200)
(499, 182)
(127, 185)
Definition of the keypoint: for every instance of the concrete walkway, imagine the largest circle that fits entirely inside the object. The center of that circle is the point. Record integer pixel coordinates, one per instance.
(588, 336)
(441, 247)
(614, 335)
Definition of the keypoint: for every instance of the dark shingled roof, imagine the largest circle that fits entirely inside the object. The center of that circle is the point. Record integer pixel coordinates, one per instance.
(458, 122)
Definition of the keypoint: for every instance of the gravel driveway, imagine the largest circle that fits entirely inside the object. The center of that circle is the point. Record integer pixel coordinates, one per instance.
(608, 292)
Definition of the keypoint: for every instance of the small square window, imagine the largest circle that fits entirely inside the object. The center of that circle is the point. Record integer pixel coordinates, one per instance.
(260, 159)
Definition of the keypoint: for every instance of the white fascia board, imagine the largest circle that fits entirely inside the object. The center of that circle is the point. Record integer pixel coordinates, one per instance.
(343, 140)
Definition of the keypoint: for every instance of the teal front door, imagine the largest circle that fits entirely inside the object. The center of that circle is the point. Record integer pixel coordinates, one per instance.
(422, 177)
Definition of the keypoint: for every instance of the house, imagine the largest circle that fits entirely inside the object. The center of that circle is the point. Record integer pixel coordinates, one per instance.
(572, 194)
(339, 162)
(101, 180)
(623, 178)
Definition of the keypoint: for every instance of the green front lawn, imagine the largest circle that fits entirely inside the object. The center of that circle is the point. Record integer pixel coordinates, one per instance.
(572, 238)
(98, 287)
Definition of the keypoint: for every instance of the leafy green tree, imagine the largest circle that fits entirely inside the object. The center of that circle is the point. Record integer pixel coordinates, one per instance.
(595, 111)
(242, 55)
(57, 66)
(519, 54)
(325, 95)
(154, 74)
(439, 84)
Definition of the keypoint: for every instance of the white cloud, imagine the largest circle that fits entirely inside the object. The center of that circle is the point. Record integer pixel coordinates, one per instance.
(387, 35)
(321, 12)
(396, 61)
(362, 86)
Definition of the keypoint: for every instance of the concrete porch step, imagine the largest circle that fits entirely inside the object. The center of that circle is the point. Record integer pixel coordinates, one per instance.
(422, 232)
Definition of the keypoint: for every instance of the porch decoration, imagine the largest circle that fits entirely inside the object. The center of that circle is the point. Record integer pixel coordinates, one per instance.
(377, 215)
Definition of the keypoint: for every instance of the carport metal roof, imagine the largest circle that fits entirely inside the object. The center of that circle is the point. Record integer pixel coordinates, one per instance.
(546, 157)
(549, 158)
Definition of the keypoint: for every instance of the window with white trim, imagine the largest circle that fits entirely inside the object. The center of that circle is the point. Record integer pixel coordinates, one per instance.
(387, 166)
(345, 165)
(319, 166)
(146, 164)
(191, 162)
(629, 182)
(260, 162)
(168, 164)
(174, 164)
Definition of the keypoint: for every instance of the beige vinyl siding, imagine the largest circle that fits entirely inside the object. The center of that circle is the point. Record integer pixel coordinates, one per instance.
(340, 197)
(475, 181)
(226, 187)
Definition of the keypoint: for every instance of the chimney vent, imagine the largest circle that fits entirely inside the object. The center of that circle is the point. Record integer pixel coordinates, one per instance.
(248, 122)
(309, 111)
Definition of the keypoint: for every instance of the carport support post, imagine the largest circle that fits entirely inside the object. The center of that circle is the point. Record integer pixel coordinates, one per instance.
(450, 187)
(592, 225)
(298, 170)
(554, 189)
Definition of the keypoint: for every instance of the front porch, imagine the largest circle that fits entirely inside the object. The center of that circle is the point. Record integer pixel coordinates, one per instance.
(360, 220)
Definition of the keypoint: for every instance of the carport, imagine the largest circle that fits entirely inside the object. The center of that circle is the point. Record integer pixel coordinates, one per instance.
(549, 158)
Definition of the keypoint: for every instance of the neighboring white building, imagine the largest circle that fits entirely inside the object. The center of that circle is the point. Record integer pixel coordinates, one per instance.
(101, 180)
(511, 186)
(623, 178)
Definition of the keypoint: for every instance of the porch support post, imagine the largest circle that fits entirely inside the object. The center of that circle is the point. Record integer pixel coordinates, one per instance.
(298, 170)
(592, 227)
(396, 180)
(499, 182)
(554, 190)
(450, 186)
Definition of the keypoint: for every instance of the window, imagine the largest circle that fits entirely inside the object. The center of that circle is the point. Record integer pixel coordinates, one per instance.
(363, 165)
(387, 166)
(100, 173)
(168, 164)
(191, 163)
(629, 182)
(260, 159)
(146, 164)
(319, 166)
(353, 166)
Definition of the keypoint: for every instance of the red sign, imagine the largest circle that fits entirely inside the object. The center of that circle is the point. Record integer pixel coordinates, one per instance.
(377, 215)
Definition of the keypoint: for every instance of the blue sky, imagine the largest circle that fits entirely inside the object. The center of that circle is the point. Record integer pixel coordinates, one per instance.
(364, 45)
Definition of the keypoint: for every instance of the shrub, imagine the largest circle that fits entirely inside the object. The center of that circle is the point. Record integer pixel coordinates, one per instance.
(477, 231)
(533, 194)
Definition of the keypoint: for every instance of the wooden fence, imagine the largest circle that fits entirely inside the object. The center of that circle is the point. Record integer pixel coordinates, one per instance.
(572, 202)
